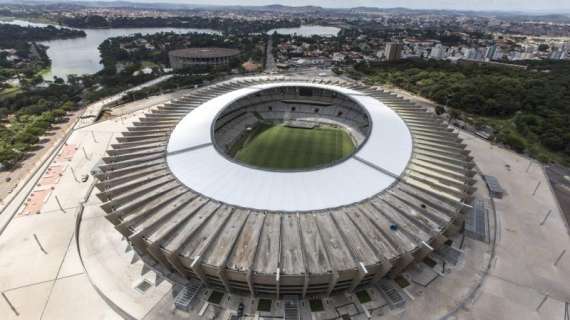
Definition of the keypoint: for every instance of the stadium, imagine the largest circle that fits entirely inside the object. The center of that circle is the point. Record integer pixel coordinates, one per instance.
(286, 186)
(183, 58)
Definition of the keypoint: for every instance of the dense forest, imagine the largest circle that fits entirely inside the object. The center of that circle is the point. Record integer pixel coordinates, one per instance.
(23, 41)
(9, 34)
(154, 48)
(233, 26)
(34, 54)
(530, 109)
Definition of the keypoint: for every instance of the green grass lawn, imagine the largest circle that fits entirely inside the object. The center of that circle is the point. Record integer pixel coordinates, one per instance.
(284, 148)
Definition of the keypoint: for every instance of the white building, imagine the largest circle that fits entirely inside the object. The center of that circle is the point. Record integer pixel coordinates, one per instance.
(556, 55)
(338, 57)
(490, 52)
(438, 52)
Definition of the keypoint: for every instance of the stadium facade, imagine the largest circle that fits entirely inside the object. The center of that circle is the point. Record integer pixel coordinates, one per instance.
(171, 186)
(183, 58)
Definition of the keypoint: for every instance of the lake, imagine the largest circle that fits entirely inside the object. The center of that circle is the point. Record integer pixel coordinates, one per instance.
(81, 55)
(308, 31)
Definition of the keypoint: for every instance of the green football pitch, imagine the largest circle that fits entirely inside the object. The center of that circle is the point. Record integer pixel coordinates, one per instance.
(285, 148)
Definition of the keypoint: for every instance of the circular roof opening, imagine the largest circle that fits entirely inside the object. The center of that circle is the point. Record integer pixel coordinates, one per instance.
(291, 128)
(196, 156)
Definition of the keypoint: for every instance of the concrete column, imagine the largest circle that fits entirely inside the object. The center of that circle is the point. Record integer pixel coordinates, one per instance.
(332, 283)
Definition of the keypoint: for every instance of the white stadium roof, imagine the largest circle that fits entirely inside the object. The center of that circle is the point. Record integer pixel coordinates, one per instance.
(195, 161)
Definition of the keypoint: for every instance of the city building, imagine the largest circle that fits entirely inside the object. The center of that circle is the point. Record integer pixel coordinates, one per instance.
(393, 51)
(490, 52)
(557, 55)
(438, 52)
(201, 56)
(338, 57)
(471, 54)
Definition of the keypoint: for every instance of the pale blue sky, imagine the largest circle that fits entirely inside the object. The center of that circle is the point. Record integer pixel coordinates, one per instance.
(504, 5)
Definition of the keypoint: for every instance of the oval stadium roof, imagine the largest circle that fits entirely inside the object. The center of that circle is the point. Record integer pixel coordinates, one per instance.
(313, 233)
(193, 159)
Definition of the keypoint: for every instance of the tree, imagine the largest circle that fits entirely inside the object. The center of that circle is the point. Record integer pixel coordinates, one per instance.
(58, 80)
(515, 142)
(553, 141)
(454, 114)
(25, 138)
(59, 114)
(36, 80)
(7, 154)
(68, 106)
(439, 110)
(543, 47)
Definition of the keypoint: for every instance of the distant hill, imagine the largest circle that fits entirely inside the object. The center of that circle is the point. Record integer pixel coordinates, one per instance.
(560, 16)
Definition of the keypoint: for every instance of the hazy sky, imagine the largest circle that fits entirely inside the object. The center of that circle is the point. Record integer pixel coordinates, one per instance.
(504, 5)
